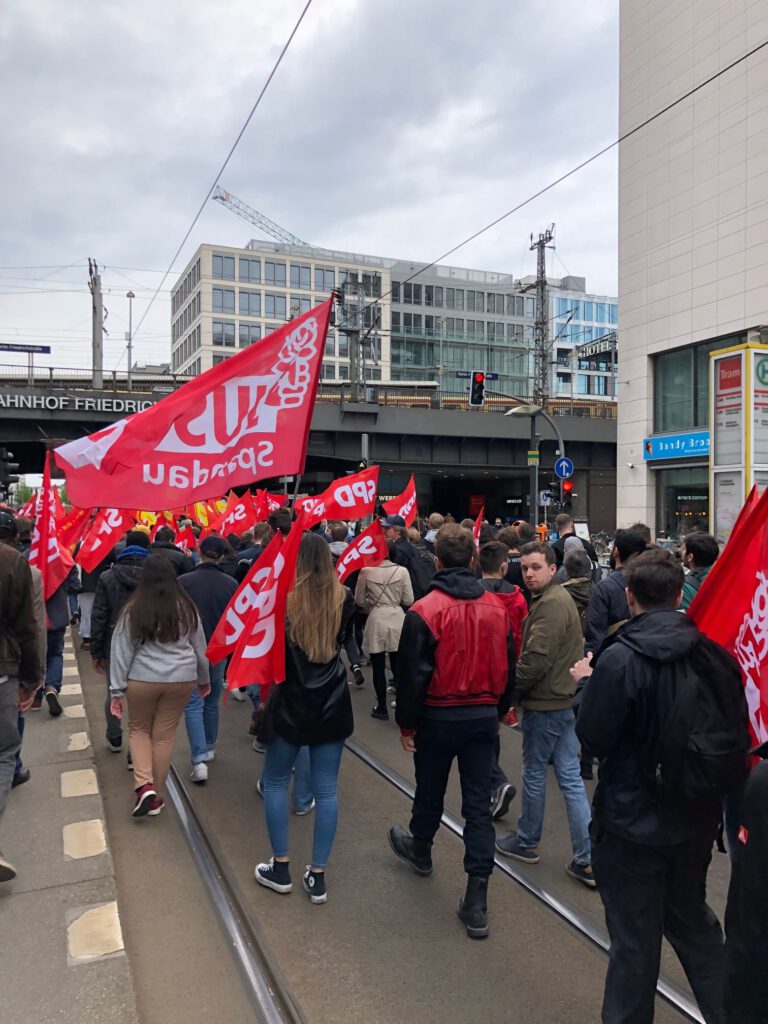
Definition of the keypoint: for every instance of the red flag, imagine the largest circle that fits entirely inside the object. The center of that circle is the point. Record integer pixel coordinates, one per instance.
(58, 508)
(46, 553)
(243, 420)
(253, 623)
(108, 527)
(185, 540)
(73, 526)
(28, 511)
(239, 518)
(368, 548)
(478, 527)
(350, 497)
(275, 501)
(731, 607)
(405, 504)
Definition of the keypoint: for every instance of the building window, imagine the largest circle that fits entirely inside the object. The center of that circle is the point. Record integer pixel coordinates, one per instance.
(344, 346)
(300, 306)
(224, 267)
(395, 291)
(250, 271)
(274, 273)
(325, 279)
(330, 344)
(328, 371)
(373, 373)
(682, 497)
(408, 294)
(395, 322)
(417, 295)
(250, 303)
(223, 300)
(224, 333)
(218, 359)
(301, 276)
(274, 306)
(343, 371)
(249, 333)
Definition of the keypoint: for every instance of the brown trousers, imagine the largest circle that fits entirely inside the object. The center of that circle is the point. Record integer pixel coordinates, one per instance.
(154, 712)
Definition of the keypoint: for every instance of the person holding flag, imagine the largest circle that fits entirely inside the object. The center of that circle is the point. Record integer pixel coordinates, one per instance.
(312, 707)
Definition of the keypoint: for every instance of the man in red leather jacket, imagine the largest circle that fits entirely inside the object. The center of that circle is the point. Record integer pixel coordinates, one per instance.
(455, 679)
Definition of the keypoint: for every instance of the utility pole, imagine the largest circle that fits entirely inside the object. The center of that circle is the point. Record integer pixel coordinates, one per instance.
(129, 338)
(97, 324)
(541, 326)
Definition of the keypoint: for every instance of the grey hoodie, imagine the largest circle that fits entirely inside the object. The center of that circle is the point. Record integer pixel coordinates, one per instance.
(182, 661)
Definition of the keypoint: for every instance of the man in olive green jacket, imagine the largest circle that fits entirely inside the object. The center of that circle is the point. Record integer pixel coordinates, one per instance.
(552, 643)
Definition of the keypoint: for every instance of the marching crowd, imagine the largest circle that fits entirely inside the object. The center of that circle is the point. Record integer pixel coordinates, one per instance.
(595, 667)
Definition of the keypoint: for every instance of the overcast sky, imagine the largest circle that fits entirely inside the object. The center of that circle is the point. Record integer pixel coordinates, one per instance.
(393, 127)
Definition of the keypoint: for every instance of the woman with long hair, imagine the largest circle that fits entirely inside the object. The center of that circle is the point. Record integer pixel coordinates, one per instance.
(311, 708)
(157, 659)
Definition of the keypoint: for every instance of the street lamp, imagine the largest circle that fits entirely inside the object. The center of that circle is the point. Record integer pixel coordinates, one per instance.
(533, 410)
(129, 338)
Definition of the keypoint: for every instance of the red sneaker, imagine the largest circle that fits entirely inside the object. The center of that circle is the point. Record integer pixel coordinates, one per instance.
(144, 796)
(511, 717)
(156, 804)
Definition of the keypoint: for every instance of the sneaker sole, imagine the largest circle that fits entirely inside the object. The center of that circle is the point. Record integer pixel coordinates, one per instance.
(154, 813)
(312, 898)
(509, 795)
(517, 856)
(301, 814)
(419, 871)
(283, 890)
(142, 808)
(54, 707)
(473, 933)
(7, 871)
(590, 883)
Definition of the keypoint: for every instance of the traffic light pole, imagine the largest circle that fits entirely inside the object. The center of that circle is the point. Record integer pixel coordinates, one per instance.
(533, 475)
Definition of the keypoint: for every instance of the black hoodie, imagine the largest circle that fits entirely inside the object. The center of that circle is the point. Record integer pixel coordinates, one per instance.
(639, 670)
(112, 591)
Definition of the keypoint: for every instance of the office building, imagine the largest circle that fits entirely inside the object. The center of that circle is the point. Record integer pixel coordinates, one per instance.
(693, 229)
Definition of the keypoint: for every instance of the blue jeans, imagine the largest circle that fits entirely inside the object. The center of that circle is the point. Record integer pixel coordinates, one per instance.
(54, 659)
(324, 761)
(254, 692)
(549, 736)
(201, 717)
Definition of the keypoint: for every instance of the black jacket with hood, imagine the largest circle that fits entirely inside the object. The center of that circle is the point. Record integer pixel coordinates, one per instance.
(636, 675)
(180, 561)
(607, 606)
(112, 591)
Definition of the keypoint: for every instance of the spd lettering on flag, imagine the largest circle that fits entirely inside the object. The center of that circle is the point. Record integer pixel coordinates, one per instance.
(350, 497)
(108, 527)
(46, 553)
(367, 549)
(404, 504)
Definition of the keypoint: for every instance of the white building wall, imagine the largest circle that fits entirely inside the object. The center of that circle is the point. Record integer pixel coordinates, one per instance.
(693, 200)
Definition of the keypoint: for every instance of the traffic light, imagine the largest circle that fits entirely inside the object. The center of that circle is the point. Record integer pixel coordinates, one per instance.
(567, 493)
(477, 388)
(7, 471)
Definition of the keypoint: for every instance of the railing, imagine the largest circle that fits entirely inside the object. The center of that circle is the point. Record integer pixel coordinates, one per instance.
(408, 396)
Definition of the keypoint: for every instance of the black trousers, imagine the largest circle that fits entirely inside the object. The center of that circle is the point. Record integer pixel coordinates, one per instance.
(649, 892)
(471, 742)
(379, 675)
(498, 778)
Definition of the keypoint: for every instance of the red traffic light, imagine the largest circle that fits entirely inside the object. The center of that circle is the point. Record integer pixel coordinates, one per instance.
(567, 486)
(479, 377)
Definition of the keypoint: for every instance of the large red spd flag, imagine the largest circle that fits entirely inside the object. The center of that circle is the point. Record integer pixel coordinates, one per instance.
(404, 504)
(243, 420)
(46, 553)
(731, 606)
(349, 497)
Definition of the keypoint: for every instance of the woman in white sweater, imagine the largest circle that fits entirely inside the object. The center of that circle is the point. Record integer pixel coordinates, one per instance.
(157, 658)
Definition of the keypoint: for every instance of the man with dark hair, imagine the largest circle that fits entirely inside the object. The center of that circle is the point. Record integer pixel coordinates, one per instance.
(700, 552)
(645, 530)
(419, 563)
(651, 846)
(578, 579)
(339, 542)
(510, 535)
(456, 676)
(163, 545)
(552, 638)
(114, 588)
(211, 591)
(608, 604)
(565, 528)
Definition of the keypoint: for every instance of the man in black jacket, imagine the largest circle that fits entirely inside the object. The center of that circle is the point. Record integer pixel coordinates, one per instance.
(211, 590)
(456, 676)
(420, 565)
(163, 545)
(112, 591)
(566, 528)
(608, 604)
(650, 850)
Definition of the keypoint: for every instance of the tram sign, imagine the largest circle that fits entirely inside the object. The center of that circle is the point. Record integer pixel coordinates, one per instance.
(28, 349)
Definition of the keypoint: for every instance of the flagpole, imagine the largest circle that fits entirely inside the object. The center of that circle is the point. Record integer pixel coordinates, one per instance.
(295, 492)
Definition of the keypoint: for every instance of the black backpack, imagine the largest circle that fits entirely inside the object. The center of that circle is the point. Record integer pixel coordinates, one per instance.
(421, 568)
(704, 737)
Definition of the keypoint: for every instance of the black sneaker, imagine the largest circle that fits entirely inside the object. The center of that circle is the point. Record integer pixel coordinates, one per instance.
(501, 800)
(586, 772)
(7, 870)
(381, 713)
(357, 672)
(129, 762)
(402, 843)
(21, 777)
(274, 875)
(582, 873)
(37, 703)
(314, 884)
(52, 699)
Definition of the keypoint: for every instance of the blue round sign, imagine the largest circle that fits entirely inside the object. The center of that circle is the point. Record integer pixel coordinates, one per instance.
(564, 468)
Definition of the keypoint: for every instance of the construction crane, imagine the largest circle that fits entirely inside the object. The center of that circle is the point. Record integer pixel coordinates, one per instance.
(248, 213)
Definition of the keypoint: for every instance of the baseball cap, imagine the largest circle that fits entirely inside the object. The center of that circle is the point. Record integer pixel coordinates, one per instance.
(212, 547)
(393, 521)
(8, 522)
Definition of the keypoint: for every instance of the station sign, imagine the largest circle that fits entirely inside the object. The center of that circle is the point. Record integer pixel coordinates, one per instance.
(28, 349)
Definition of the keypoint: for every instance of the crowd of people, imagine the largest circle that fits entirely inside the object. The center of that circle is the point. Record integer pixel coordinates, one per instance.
(591, 661)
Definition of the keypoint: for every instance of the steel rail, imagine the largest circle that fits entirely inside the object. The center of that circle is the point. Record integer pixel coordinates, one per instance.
(265, 985)
(668, 991)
